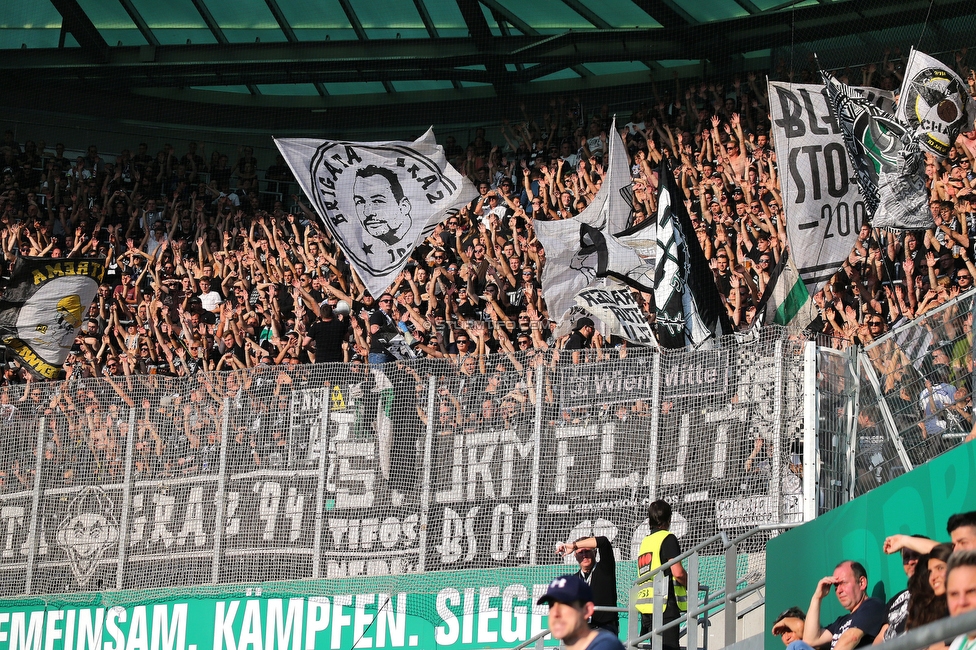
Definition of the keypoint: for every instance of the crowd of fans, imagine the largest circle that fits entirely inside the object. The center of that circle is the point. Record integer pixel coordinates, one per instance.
(208, 270)
(941, 583)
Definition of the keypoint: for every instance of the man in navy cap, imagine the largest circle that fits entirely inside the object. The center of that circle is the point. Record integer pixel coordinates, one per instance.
(570, 602)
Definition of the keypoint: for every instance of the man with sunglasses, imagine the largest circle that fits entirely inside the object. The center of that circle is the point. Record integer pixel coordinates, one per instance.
(600, 574)
(382, 329)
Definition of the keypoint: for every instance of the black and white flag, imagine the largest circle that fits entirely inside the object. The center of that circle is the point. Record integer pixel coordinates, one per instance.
(888, 162)
(934, 103)
(689, 309)
(43, 306)
(379, 200)
(577, 254)
(614, 305)
(821, 199)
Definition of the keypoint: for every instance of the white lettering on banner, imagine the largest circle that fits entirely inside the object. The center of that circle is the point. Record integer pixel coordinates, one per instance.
(89, 629)
(11, 517)
(448, 632)
(459, 539)
(823, 207)
(138, 636)
(318, 620)
(115, 616)
(51, 631)
(486, 614)
(163, 515)
(238, 627)
(724, 418)
(352, 463)
(362, 620)
(339, 619)
(394, 620)
(480, 460)
(607, 480)
(281, 627)
(364, 534)
(467, 618)
(193, 519)
(269, 502)
(677, 475)
(564, 459)
(224, 625)
(251, 634)
(513, 616)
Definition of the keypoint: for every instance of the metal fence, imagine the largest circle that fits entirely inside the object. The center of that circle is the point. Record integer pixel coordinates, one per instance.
(915, 397)
(344, 471)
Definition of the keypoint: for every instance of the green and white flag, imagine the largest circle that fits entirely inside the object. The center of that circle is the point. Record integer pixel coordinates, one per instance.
(786, 300)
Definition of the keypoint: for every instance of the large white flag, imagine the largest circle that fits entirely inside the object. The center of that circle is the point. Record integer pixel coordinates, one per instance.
(577, 253)
(379, 200)
(823, 207)
(612, 209)
(934, 103)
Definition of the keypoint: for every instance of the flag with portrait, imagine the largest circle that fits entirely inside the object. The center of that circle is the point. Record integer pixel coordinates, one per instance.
(42, 309)
(378, 200)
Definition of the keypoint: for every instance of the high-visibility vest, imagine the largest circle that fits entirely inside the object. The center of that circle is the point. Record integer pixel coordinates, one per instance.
(649, 559)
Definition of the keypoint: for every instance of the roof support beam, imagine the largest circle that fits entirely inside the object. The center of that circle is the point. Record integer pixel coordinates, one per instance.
(210, 22)
(218, 34)
(357, 26)
(140, 22)
(665, 13)
(75, 20)
(480, 33)
(431, 30)
(289, 33)
(590, 16)
(283, 23)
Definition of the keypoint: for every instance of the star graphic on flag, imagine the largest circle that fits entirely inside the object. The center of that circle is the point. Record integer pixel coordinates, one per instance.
(368, 249)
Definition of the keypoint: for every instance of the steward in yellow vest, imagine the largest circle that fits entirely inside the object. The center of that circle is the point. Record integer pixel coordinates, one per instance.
(656, 549)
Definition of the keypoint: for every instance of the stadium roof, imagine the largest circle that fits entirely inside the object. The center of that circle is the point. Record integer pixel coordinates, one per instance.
(275, 60)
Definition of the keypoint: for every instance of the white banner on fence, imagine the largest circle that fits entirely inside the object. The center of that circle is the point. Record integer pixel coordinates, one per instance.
(824, 210)
(615, 306)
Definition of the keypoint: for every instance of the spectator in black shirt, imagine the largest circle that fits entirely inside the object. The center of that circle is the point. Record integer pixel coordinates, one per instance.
(328, 333)
(600, 574)
(581, 337)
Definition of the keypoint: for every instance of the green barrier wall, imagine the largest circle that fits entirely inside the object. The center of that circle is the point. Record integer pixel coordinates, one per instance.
(462, 610)
(917, 503)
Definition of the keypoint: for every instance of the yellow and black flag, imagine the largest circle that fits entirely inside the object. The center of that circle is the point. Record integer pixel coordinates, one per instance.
(42, 308)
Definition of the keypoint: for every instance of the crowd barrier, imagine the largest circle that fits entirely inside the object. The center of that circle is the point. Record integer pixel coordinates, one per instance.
(343, 471)
(166, 485)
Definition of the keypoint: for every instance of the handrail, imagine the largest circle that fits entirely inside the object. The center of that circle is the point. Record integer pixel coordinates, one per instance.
(686, 554)
(764, 527)
(939, 630)
(531, 640)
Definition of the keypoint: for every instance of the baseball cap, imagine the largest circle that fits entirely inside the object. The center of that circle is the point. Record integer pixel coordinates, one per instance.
(584, 322)
(567, 589)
